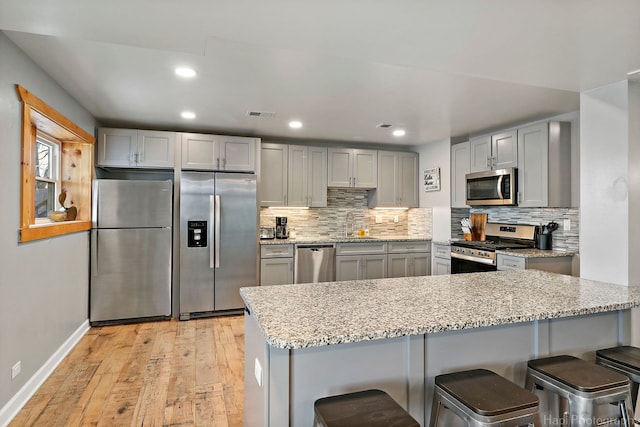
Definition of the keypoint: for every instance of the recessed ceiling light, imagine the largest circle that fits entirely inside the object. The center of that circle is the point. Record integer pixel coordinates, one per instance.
(295, 124)
(399, 132)
(188, 115)
(185, 72)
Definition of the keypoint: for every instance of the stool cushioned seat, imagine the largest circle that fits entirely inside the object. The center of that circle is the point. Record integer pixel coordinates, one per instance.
(627, 356)
(369, 408)
(578, 374)
(486, 393)
(482, 398)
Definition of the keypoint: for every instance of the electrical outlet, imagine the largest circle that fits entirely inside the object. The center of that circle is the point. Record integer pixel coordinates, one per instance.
(566, 225)
(15, 369)
(395, 218)
(378, 219)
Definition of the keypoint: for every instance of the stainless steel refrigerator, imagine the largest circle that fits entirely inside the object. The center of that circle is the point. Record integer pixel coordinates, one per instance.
(218, 241)
(130, 250)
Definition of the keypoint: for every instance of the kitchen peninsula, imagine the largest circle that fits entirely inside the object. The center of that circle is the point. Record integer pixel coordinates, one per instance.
(303, 342)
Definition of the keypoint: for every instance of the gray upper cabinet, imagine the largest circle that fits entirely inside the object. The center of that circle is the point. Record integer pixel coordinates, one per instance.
(544, 165)
(293, 175)
(480, 154)
(397, 180)
(498, 151)
(460, 166)
(273, 174)
(218, 152)
(307, 176)
(352, 168)
(132, 148)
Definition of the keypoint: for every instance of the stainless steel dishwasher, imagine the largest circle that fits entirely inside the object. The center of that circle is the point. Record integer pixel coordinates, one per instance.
(315, 263)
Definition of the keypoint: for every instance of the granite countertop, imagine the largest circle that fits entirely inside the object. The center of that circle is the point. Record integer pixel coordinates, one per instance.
(319, 314)
(535, 253)
(354, 239)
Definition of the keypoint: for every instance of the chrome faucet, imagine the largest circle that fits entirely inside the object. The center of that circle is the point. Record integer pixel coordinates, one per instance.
(349, 224)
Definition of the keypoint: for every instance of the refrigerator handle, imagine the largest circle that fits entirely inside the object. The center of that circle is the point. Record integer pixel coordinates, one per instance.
(217, 231)
(94, 254)
(212, 216)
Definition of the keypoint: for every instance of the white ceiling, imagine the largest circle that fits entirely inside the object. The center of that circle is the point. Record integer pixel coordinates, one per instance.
(435, 68)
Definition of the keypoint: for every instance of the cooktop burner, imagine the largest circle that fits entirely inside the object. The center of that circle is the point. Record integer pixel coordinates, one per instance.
(502, 236)
(490, 245)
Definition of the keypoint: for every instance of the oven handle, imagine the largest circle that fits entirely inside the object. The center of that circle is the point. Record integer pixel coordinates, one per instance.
(473, 259)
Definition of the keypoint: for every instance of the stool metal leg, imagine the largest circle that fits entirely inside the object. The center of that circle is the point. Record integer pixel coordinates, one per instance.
(435, 409)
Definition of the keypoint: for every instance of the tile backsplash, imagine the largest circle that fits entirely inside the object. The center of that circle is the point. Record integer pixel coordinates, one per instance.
(562, 239)
(330, 221)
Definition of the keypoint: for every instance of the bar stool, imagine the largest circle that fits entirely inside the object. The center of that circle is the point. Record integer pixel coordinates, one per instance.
(369, 408)
(483, 398)
(585, 386)
(626, 360)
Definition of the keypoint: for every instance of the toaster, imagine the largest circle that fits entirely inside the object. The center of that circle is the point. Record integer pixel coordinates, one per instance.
(267, 232)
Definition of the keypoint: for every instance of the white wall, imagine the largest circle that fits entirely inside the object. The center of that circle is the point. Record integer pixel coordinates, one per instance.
(610, 187)
(437, 154)
(44, 284)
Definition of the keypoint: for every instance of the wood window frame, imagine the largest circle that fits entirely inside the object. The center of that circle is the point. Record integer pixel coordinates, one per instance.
(76, 172)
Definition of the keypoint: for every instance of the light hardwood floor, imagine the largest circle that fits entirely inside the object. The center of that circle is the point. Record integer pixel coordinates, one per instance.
(169, 373)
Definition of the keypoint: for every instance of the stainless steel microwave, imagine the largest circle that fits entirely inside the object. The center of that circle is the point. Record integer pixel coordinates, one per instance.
(496, 187)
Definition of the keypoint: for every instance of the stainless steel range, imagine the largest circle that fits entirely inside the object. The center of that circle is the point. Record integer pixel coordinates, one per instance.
(477, 256)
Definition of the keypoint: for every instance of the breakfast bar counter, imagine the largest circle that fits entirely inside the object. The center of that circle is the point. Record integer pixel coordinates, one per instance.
(303, 342)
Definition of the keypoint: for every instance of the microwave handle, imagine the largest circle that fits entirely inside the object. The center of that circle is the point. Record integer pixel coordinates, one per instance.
(499, 187)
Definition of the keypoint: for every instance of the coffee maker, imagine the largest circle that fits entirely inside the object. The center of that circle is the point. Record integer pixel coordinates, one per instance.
(281, 227)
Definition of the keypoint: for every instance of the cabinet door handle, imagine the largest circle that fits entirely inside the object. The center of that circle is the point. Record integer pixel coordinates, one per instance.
(354, 181)
(489, 162)
(218, 163)
(139, 157)
(224, 163)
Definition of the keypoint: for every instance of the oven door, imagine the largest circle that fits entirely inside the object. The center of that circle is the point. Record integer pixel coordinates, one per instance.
(459, 265)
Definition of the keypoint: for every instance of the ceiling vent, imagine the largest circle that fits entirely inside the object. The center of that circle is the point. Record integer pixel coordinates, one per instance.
(261, 114)
(383, 125)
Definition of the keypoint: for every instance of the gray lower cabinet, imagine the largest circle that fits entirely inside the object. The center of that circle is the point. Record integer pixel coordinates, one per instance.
(357, 261)
(552, 264)
(276, 264)
(441, 263)
(408, 259)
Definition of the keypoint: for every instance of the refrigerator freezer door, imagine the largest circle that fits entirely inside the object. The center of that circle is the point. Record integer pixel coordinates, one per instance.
(132, 204)
(130, 273)
(237, 238)
(197, 211)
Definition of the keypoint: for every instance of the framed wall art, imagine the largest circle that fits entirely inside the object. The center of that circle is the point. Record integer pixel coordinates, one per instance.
(432, 179)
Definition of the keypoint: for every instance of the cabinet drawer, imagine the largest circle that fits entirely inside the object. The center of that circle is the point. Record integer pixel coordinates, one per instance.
(276, 251)
(403, 247)
(507, 262)
(361, 248)
(442, 251)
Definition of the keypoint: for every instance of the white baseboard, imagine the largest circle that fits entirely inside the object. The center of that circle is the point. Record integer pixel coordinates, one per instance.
(11, 409)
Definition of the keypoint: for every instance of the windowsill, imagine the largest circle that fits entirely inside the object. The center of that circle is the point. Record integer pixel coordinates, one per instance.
(42, 230)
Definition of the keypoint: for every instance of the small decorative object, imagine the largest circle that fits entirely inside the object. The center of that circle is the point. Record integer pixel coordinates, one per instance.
(432, 179)
(58, 216)
(70, 212)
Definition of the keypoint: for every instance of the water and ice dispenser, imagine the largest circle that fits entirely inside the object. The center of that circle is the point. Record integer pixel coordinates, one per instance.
(196, 234)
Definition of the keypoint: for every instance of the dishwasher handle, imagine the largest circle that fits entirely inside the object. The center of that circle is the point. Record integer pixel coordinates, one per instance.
(316, 247)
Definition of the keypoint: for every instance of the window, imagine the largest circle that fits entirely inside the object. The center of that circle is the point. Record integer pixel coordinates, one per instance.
(47, 175)
(57, 156)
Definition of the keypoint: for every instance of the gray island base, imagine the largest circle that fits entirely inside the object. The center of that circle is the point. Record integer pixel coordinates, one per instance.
(304, 342)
